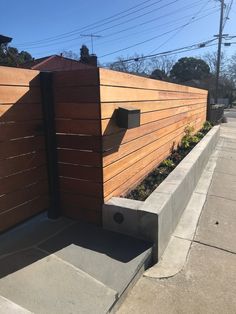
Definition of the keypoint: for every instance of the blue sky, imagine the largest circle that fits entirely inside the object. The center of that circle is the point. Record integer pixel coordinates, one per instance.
(161, 25)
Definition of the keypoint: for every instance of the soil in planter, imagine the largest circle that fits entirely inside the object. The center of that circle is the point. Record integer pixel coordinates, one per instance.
(153, 179)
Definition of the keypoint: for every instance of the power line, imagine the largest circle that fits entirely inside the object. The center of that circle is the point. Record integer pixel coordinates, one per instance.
(147, 40)
(185, 25)
(170, 23)
(76, 38)
(229, 7)
(112, 26)
(156, 18)
(140, 16)
(149, 12)
(173, 51)
(95, 24)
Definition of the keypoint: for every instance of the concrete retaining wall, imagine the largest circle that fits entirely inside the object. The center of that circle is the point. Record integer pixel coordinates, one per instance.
(156, 218)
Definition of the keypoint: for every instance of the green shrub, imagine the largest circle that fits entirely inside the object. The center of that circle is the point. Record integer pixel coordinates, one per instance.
(200, 135)
(168, 163)
(207, 126)
(187, 140)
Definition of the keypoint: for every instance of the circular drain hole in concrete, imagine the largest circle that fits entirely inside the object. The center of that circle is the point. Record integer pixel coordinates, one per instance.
(118, 218)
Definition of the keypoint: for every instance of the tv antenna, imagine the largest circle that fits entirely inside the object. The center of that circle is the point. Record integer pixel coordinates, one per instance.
(92, 36)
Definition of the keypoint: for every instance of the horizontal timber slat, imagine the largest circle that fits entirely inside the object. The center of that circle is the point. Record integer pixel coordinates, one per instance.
(78, 111)
(80, 172)
(20, 112)
(89, 127)
(107, 109)
(114, 78)
(20, 163)
(82, 187)
(21, 146)
(19, 94)
(19, 197)
(120, 94)
(79, 142)
(77, 157)
(19, 180)
(84, 94)
(13, 130)
(18, 77)
(80, 201)
(22, 212)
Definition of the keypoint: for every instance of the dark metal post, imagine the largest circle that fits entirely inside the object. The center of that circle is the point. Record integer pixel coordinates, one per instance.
(46, 81)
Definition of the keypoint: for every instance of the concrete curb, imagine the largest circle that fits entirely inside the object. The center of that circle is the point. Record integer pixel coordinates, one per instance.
(156, 218)
(176, 253)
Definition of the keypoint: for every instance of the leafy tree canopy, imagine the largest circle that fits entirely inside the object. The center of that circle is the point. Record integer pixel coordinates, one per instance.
(159, 75)
(186, 69)
(10, 56)
(84, 54)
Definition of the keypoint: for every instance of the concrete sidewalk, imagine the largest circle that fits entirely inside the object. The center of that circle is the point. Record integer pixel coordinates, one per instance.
(207, 282)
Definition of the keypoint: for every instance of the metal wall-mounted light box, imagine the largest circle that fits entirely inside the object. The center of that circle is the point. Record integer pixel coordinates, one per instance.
(128, 118)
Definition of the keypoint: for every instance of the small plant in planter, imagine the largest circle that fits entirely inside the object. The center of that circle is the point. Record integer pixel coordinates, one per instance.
(206, 126)
(168, 163)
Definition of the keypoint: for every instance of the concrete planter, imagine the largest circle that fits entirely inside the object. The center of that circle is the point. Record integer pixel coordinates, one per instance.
(156, 218)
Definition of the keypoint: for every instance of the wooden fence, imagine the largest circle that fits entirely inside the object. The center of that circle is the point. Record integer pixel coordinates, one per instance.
(23, 176)
(166, 109)
(96, 158)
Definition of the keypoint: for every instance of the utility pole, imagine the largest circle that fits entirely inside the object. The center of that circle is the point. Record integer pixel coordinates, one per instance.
(92, 36)
(219, 50)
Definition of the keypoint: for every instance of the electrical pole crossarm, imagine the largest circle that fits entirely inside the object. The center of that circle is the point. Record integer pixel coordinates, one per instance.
(92, 36)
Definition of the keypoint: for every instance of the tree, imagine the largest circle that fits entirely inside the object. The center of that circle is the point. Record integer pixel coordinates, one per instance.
(159, 75)
(10, 56)
(231, 69)
(163, 63)
(70, 54)
(135, 66)
(211, 59)
(186, 69)
(227, 79)
(84, 54)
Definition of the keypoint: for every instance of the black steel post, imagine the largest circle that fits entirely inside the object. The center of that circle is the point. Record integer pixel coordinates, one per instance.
(46, 81)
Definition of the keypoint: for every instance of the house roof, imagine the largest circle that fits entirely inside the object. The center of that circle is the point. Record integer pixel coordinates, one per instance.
(5, 39)
(55, 63)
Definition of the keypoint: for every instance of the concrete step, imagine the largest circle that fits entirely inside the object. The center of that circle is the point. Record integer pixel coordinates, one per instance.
(79, 269)
(51, 286)
(109, 257)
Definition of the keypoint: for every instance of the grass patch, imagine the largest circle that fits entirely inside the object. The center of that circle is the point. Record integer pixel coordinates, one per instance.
(153, 179)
